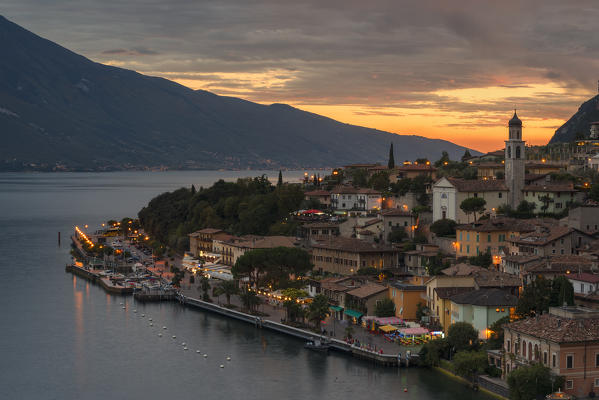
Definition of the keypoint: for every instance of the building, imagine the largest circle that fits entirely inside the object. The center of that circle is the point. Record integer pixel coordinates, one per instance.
(489, 235)
(349, 198)
(584, 218)
(566, 340)
(363, 300)
(517, 265)
(514, 162)
(201, 241)
(448, 194)
(551, 197)
(396, 218)
(439, 289)
(412, 171)
(551, 267)
(322, 196)
(406, 298)
(236, 247)
(584, 283)
(319, 230)
(549, 239)
(416, 261)
(345, 256)
(482, 308)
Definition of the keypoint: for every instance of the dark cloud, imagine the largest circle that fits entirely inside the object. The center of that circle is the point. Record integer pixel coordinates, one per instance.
(135, 51)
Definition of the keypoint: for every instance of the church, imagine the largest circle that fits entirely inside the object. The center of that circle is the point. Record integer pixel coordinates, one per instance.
(448, 193)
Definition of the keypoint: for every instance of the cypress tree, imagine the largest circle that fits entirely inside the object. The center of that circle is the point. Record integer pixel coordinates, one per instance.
(391, 163)
(193, 190)
(280, 182)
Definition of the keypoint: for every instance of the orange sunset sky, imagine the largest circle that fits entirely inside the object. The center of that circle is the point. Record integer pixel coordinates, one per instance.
(451, 70)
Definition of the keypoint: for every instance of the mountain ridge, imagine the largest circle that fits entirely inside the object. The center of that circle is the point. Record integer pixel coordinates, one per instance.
(61, 110)
(578, 125)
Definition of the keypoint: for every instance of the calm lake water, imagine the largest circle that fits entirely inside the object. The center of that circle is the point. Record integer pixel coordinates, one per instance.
(64, 338)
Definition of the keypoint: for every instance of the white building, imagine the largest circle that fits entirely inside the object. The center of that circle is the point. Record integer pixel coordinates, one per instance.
(355, 199)
(584, 283)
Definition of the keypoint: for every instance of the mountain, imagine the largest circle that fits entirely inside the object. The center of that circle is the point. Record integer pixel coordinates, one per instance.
(59, 109)
(579, 124)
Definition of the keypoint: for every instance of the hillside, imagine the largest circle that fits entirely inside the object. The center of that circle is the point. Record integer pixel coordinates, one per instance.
(60, 108)
(579, 124)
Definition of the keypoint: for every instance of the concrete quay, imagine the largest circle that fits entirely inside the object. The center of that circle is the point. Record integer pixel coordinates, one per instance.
(259, 322)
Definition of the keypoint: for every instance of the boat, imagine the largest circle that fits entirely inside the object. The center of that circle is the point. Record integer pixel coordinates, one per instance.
(317, 345)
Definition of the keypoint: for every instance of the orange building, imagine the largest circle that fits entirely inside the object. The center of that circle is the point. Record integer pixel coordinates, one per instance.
(406, 298)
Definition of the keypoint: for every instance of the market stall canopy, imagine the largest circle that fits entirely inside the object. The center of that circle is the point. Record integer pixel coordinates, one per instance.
(383, 320)
(414, 331)
(353, 313)
(336, 308)
(387, 328)
(312, 211)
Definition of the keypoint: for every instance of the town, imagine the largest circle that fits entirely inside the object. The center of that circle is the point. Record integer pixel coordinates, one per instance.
(486, 267)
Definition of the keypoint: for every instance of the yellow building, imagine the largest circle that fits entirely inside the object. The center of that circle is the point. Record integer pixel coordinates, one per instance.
(406, 298)
(488, 235)
(439, 290)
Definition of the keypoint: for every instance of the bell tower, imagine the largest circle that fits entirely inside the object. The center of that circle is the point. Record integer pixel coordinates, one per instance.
(514, 161)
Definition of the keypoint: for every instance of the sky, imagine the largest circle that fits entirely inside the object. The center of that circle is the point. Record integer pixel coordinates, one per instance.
(442, 69)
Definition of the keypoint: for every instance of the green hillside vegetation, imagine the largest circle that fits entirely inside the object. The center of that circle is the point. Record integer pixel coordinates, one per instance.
(248, 206)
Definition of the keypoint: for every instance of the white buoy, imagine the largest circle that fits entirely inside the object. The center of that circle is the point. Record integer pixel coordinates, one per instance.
(183, 344)
(205, 355)
(134, 311)
(174, 337)
(185, 348)
(228, 358)
(121, 303)
(160, 334)
(149, 319)
(222, 366)
(197, 351)
(164, 327)
(151, 324)
(123, 307)
(143, 315)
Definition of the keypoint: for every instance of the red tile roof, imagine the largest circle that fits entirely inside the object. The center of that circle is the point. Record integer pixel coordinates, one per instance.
(475, 185)
(558, 329)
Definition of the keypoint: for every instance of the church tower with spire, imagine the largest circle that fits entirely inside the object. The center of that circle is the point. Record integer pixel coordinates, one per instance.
(514, 162)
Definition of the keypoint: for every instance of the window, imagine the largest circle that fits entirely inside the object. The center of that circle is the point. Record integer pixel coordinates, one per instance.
(509, 152)
(468, 248)
(553, 360)
(509, 346)
(477, 237)
(475, 194)
(517, 151)
(597, 360)
(570, 384)
(500, 195)
(582, 287)
(524, 348)
(570, 361)
(545, 358)
(558, 205)
(488, 238)
(467, 237)
(460, 235)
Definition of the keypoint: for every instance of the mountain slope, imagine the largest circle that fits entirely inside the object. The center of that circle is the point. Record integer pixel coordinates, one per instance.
(59, 107)
(579, 124)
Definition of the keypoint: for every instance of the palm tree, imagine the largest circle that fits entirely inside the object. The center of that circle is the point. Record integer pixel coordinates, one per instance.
(228, 288)
(204, 287)
(318, 309)
(249, 299)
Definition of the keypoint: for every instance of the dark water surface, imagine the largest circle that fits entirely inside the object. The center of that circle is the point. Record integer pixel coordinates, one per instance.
(64, 338)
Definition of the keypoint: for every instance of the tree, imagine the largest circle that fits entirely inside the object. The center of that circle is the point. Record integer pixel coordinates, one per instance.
(228, 288)
(249, 299)
(469, 363)
(431, 352)
(466, 155)
(193, 190)
(293, 309)
(391, 163)
(379, 181)
(385, 308)
(444, 160)
(280, 181)
(318, 309)
(473, 205)
(594, 192)
(495, 340)
(205, 287)
(532, 381)
(462, 336)
(482, 260)
(443, 227)
(535, 297)
(421, 311)
(562, 292)
(359, 176)
(397, 235)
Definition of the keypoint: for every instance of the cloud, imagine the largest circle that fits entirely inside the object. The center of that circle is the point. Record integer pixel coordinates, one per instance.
(393, 55)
